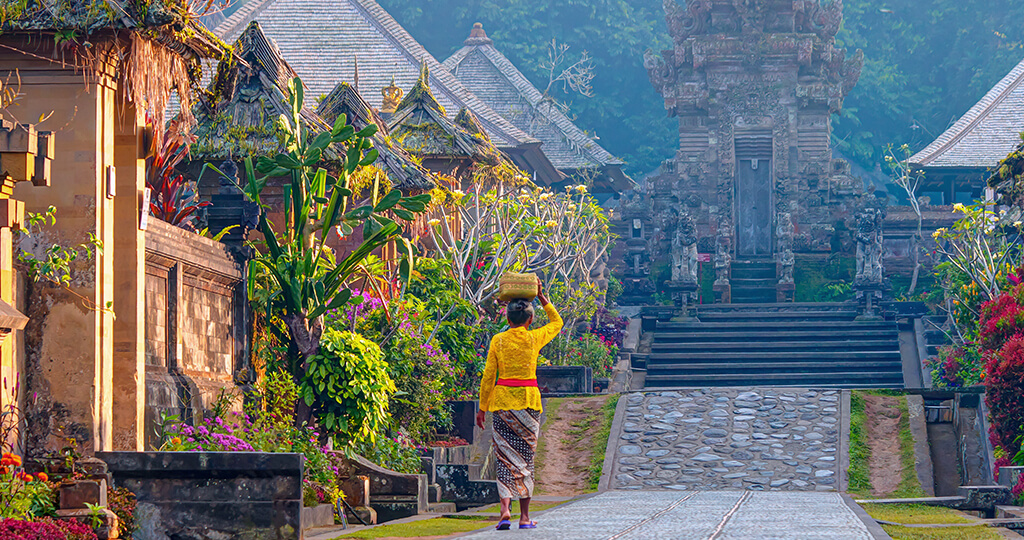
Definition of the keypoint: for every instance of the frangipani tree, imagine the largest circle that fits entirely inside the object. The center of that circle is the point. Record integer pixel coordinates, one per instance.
(562, 236)
(298, 274)
(981, 252)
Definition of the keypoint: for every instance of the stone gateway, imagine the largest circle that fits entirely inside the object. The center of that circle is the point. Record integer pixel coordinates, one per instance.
(752, 84)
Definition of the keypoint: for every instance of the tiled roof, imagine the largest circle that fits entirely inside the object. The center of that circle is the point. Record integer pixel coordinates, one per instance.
(986, 134)
(496, 81)
(325, 41)
(402, 170)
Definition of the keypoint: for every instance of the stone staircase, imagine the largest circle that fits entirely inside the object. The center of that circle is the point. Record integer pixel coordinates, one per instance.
(753, 282)
(800, 345)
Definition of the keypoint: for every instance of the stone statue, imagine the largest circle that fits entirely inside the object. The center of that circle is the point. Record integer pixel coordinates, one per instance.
(722, 261)
(684, 250)
(869, 247)
(784, 232)
(787, 261)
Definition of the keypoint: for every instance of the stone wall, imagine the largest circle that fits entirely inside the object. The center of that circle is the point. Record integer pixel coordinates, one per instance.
(197, 323)
(207, 495)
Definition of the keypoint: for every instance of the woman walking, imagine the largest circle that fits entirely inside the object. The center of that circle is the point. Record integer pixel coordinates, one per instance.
(509, 390)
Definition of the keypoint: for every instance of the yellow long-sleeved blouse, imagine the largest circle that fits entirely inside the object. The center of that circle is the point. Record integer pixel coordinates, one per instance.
(513, 355)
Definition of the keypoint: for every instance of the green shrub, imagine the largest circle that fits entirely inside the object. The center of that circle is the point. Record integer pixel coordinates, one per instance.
(348, 385)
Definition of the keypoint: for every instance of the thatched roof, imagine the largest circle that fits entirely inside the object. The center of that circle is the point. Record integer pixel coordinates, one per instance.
(421, 126)
(166, 22)
(247, 97)
(403, 171)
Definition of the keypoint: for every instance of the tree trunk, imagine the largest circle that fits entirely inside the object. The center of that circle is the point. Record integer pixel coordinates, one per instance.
(917, 256)
(306, 338)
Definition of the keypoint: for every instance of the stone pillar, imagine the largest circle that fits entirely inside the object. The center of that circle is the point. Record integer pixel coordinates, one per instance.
(129, 374)
(69, 341)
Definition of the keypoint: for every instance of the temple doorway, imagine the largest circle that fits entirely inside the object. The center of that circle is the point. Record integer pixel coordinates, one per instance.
(754, 196)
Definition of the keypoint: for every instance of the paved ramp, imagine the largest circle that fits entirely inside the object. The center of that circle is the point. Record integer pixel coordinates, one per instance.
(728, 439)
(699, 515)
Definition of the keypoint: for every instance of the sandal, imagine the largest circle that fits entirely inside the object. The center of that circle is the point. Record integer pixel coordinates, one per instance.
(530, 525)
(504, 525)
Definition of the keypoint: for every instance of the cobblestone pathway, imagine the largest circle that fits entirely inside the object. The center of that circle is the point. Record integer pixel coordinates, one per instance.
(725, 439)
(703, 515)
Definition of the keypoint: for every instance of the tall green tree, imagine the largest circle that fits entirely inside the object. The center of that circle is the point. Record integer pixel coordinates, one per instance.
(926, 63)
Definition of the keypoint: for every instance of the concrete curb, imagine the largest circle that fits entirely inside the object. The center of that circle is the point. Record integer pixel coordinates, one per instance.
(613, 437)
(844, 442)
(874, 529)
(922, 449)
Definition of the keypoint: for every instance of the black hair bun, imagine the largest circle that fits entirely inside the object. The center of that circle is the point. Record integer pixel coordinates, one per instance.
(518, 304)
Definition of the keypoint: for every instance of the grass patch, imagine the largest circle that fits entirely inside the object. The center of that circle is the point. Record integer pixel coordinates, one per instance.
(941, 533)
(442, 526)
(914, 514)
(534, 507)
(858, 474)
(910, 485)
(599, 442)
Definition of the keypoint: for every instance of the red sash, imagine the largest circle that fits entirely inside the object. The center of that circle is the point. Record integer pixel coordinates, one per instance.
(517, 382)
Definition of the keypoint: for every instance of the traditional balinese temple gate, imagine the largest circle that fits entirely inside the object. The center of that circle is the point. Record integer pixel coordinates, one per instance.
(753, 85)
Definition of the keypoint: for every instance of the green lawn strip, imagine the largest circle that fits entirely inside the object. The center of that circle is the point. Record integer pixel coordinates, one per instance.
(441, 526)
(941, 533)
(910, 485)
(551, 414)
(599, 442)
(534, 507)
(914, 514)
(858, 474)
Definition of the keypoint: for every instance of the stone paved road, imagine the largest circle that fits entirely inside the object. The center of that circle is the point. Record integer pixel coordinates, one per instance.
(698, 515)
(728, 438)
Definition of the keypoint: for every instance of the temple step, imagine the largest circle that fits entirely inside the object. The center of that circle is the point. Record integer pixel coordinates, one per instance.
(819, 345)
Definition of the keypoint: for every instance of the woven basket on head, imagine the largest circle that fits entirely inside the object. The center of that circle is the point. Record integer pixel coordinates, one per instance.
(512, 286)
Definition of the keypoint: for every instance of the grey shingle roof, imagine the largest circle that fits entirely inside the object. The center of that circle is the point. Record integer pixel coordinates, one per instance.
(495, 80)
(986, 133)
(323, 41)
(251, 95)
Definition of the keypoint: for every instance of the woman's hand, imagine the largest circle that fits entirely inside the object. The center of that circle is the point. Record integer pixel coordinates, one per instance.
(480, 415)
(540, 295)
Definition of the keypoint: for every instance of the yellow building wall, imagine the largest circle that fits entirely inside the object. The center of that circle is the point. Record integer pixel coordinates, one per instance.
(71, 358)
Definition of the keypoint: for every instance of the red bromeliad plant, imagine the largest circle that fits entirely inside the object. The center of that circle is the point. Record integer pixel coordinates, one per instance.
(173, 198)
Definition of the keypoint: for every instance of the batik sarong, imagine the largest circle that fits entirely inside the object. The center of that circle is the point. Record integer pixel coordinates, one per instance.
(515, 442)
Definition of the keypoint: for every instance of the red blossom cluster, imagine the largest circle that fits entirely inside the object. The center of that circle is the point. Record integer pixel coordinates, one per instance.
(45, 529)
(1001, 337)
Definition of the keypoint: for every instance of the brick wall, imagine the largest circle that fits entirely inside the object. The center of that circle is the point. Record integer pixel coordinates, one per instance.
(197, 323)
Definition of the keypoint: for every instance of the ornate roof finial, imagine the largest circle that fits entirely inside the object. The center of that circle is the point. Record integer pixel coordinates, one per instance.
(392, 97)
(477, 36)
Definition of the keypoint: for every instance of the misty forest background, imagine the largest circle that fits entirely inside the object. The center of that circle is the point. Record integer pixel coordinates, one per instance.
(926, 63)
